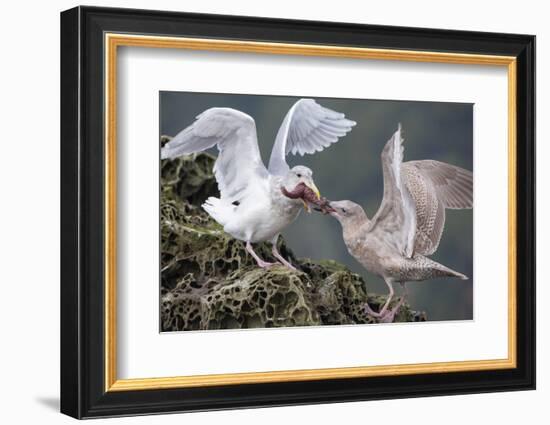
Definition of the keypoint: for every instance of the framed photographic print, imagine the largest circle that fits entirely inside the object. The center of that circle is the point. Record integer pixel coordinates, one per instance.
(261, 212)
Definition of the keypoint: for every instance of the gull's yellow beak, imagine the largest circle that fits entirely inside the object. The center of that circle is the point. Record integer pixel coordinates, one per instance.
(312, 186)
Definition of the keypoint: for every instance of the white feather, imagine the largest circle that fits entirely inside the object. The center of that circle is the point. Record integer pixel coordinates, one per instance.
(251, 206)
(397, 212)
(307, 128)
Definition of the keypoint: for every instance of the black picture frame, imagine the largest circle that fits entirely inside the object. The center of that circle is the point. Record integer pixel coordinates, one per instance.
(83, 392)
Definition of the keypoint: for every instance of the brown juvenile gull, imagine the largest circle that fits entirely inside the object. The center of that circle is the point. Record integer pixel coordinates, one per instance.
(409, 221)
(252, 206)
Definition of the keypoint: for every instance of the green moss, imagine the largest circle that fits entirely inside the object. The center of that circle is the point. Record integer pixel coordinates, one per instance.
(208, 280)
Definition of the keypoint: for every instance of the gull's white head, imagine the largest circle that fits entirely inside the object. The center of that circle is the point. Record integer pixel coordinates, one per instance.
(347, 212)
(297, 175)
(294, 182)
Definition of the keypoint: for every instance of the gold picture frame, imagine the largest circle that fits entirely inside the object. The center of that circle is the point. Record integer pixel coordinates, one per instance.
(114, 41)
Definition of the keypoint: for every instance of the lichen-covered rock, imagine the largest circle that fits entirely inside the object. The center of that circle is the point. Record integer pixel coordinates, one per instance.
(208, 280)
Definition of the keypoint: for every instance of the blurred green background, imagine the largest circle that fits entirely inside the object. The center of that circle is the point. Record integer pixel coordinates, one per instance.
(351, 169)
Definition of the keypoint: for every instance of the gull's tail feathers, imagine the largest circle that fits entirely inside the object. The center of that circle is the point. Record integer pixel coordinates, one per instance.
(440, 270)
(219, 210)
(421, 268)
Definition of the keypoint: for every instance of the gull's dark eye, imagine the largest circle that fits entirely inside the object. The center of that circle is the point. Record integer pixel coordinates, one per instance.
(344, 210)
(299, 175)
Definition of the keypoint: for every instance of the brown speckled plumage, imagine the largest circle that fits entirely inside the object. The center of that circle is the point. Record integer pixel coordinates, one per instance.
(409, 223)
(435, 186)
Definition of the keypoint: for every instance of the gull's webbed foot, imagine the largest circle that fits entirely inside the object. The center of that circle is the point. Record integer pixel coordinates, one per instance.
(261, 263)
(389, 316)
(371, 312)
(265, 264)
(385, 315)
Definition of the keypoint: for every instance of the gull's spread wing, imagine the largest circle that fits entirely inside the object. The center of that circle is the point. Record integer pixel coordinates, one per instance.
(307, 128)
(395, 220)
(239, 169)
(435, 186)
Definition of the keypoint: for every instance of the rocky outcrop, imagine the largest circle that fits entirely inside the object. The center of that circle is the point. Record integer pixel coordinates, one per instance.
(208, 280)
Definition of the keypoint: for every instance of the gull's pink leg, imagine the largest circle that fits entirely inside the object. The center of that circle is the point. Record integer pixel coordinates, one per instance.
(381, 313)
(261, 263)
(390, 314)
(385, 315)
(279, 257)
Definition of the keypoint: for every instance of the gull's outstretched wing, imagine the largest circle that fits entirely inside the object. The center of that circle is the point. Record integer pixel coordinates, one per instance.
(239, 168)
(307, 128)
(395, 220)
(435, 186)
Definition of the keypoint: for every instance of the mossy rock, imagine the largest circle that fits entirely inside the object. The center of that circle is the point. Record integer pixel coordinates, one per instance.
(208, 280)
